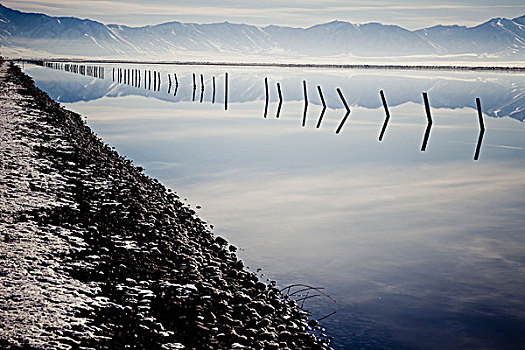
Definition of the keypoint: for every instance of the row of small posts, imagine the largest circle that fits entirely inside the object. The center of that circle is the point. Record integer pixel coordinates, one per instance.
(194, 85)
(92, 71)
(127, 75)
(145, 78)
(385, 106)
(152, 80)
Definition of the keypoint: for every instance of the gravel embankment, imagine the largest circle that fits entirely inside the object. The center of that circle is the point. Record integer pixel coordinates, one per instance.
(95, 254)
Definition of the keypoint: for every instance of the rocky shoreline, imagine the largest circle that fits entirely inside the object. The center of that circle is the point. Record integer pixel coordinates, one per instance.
(94, 254)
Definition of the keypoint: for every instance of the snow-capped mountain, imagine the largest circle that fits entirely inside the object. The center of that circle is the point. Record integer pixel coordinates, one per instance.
(174, 36)
(70, 36)
(371, 39)
(497, 36)
(58, 35)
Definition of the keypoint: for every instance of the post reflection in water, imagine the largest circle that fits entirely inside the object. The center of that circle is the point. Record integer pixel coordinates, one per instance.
(387, 113)
(305, 103)
(347, 111)
(421, 250)
(280, 100)
(267, 97)
(481, 129)
(429, 122)
(324, 107)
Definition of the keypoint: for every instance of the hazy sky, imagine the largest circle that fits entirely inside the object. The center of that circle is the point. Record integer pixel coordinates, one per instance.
(411, 14)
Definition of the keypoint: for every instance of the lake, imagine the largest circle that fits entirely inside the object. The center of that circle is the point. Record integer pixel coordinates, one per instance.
(419, 250)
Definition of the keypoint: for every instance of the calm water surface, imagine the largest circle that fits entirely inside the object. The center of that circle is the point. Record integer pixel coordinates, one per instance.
(420, 250)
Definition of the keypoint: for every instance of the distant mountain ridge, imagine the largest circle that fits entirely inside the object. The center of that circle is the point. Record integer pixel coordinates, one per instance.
(70, 36)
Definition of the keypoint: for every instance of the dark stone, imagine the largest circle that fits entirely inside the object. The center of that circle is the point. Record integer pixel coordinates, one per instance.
(221, 241)
(172, 249)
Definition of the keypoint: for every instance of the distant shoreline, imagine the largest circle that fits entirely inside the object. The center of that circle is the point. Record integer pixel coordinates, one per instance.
(287, 65)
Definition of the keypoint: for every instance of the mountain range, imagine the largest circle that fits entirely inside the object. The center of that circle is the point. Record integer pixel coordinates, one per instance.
(40, 35)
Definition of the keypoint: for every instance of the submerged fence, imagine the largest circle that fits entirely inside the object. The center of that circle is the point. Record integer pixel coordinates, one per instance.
(92, 71)
(152, 80)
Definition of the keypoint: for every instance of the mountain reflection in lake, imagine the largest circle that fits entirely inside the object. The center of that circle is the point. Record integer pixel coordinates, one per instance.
(421, 250)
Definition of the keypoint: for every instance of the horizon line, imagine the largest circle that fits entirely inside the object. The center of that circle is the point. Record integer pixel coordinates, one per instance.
(281, 65)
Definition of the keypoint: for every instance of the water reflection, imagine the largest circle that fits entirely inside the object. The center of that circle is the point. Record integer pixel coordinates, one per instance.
(324, 107)
(387, 113)
(441, 86)
(502, 94)
(338, 130)
(481, 129)
(420, 250)
(280, 100)
(429, 122)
